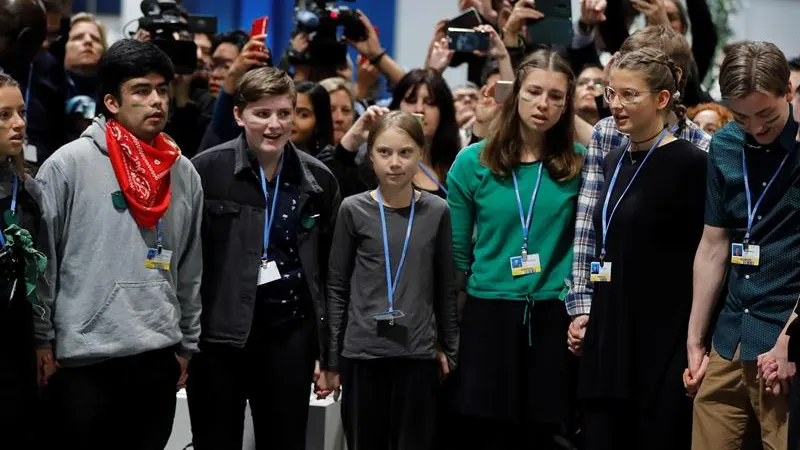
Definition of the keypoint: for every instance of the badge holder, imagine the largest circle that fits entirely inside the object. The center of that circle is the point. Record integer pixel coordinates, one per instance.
(389, 316)
(268, 272)
(525, 264)
(158, 258)
(745, 254)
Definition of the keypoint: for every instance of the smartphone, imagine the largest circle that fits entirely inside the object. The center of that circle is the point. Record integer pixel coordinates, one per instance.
(467, 19)
(502, 90)
(260, 26)
(467, 40)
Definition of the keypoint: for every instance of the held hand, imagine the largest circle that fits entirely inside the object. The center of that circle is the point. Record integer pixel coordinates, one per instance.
(698, 363)
(300, 42)
(371, 46)
(523, 11)
(593, 11)
(334, 383)
(440, 56)
(358, 133)
(692, 384)
(184, 363)
(253, 54)
(444, 367)
(576, 333)
(497, 49)
(46, 365)
(653, 10)
(776, 370)
(142, 35)
(366, 78)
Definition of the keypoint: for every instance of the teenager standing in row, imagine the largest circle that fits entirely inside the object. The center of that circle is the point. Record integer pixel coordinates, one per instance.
(518, 192)
(649, 222)
(20, 265)
(392, 355)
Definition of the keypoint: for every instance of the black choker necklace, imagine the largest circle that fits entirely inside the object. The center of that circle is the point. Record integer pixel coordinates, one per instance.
(651, 137)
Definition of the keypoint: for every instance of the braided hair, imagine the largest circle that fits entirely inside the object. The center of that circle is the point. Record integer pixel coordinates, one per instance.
(661, 74)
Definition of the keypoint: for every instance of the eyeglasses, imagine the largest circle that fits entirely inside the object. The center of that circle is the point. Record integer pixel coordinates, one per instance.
(627, 97)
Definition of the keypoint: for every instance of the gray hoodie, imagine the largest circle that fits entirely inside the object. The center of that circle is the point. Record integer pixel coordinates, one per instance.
(100, 300)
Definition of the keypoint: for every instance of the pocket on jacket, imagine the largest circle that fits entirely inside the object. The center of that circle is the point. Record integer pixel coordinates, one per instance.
(140, 307)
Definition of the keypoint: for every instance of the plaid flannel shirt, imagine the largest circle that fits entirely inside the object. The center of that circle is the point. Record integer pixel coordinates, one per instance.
(605, 138)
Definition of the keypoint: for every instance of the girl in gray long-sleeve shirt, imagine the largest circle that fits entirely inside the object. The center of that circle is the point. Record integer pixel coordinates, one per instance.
(391, 346)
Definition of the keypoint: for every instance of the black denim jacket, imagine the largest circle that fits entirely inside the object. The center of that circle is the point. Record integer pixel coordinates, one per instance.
(233, 227)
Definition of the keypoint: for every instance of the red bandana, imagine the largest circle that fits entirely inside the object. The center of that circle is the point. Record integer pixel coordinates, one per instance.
(142, 172)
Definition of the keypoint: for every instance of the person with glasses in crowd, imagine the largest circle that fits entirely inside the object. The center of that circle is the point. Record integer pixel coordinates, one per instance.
(606, 138)
(651, 217)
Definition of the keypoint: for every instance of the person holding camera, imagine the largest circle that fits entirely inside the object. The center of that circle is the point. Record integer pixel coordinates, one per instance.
(121, 218)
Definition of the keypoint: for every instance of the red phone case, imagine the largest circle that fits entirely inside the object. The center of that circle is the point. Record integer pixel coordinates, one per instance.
(260, 26)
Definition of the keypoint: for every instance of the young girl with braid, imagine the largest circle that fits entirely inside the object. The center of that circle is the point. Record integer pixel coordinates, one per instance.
(649, 219)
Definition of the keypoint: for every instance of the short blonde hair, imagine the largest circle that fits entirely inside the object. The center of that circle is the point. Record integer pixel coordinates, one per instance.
(335, 84)
(88, 17)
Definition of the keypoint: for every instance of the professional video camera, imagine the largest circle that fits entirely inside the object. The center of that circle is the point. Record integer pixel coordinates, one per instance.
(171, 32)
(321, 21)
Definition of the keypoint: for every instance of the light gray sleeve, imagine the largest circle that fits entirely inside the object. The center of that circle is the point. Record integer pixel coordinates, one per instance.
(190, 272)
(54, 196)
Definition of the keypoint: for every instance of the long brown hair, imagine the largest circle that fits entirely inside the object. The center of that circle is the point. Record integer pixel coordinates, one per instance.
(503, 150)
(18, 160)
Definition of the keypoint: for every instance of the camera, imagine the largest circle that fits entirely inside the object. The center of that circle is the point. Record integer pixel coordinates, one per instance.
(171, 31)
(322, 21)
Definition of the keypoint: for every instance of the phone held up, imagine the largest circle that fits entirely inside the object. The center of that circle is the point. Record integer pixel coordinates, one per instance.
(467, 40)
(260, 26)
(502, 90)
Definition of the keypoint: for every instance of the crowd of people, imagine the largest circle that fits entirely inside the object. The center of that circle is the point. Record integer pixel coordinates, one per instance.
(557, 254)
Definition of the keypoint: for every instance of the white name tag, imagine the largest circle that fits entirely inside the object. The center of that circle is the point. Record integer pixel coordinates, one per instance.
(267, 273)
(158, 260)
(749, 255)
(530, 264)
(600, 272)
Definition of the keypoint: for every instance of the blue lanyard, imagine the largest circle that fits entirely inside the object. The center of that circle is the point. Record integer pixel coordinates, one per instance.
(752, 210)
(392, 285)
(606, 217)
(430, 175)
(271, 216)
(159, 237)
(526, 221)
(13, 208)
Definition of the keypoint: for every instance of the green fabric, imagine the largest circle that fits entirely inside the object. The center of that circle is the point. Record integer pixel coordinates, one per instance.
(479, 200)
(35, 261)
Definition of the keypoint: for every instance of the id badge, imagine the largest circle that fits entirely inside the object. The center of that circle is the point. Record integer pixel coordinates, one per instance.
(600, 272)
(268, 272)
(389, 316)
(745, 256)
(530, 264)
(158, 259)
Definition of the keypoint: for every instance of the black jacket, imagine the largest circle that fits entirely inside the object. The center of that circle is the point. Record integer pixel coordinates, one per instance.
(232, 232)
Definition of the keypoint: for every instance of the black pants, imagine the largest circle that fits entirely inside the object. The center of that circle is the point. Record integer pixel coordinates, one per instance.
(617, 424)
(389, 403)
(274, 372)
(122, 403)
(18, 391)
